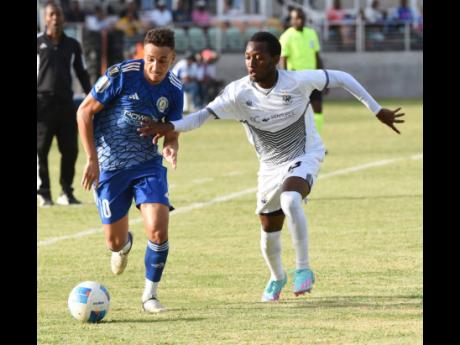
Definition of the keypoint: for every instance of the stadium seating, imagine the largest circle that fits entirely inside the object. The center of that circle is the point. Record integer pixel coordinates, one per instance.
(197, 39)
(181, 40)
(213, 37)
(234, 40)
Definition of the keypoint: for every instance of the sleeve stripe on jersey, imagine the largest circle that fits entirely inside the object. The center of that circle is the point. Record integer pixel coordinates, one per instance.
(175, 83)
(131, 69)
(174, 76)
(213, 113)
(135, 63)
(131, 66)
(327, 80)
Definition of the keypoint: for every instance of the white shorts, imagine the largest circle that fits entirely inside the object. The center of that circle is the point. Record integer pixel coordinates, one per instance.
(270, 180)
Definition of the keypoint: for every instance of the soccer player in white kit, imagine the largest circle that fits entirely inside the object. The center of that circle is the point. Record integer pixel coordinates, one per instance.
(274, 107)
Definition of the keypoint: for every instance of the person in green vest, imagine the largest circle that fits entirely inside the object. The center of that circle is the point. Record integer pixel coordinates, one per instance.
(300, 51)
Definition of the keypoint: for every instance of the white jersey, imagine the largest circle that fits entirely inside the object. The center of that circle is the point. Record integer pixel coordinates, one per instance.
(279, 121)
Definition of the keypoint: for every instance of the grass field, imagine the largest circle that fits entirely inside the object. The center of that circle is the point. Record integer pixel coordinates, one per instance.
(365, 228)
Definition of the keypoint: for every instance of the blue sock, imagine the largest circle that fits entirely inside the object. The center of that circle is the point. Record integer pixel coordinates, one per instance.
(155, 260)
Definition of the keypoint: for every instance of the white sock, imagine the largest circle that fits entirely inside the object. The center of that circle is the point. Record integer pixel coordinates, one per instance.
(127, 245)
(291, 203)
(270, 244)
(150, 290)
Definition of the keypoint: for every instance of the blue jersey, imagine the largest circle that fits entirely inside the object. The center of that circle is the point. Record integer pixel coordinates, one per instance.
(128, 98)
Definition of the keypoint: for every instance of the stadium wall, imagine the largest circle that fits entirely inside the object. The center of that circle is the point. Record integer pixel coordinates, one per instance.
(384, 74)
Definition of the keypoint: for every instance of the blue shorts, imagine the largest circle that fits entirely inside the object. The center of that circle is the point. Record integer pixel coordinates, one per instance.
(146, 183)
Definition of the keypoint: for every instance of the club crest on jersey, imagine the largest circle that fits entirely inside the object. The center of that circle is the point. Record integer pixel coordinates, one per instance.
(114, 71)
(162, 104)
(249, 103)
(287, 99)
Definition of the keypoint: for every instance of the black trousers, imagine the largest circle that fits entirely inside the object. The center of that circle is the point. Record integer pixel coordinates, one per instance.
(56, 117)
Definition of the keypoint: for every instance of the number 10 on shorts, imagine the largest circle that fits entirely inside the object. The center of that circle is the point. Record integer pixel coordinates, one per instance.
(104, 208)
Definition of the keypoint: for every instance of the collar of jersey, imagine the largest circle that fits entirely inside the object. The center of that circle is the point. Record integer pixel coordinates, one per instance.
(266, 91)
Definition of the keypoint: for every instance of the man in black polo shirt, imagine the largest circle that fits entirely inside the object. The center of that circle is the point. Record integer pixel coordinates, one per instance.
(56, 113)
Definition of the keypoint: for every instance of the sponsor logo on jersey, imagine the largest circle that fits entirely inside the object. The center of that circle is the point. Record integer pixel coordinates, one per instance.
(162, 104)
(102, 84)
(136, 118)
(287, 99)
(43, 45)
(134, 96)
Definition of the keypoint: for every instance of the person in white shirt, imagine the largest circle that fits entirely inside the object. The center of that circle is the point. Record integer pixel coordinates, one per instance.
(187, 72)
(160, 16)
(274, 107)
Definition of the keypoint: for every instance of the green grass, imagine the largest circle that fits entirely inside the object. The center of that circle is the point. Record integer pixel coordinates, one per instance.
(365, 247)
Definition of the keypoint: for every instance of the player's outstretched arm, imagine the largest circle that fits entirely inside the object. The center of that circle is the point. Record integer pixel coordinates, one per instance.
(159, 129)
(346, 81)
(85, 113)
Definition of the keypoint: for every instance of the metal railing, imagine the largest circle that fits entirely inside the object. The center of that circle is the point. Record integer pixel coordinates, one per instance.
(359, 36)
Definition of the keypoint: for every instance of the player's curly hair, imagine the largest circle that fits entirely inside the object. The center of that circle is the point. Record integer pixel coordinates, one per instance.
(273, 45)
(160, 37)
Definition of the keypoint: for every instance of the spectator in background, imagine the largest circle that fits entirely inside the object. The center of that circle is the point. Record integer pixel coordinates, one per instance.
(129, 22)
(57, 54)
(181, 16)
(337, 16)
(201, 16)
(373, 14)
(98, 21)
(212, 84)
(186, 71)
(75, 14)
(200, 71)
(161, 16)
(375, 19)
(404, 12)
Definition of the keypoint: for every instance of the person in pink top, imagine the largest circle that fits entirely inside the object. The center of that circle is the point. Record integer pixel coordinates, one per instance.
(336, 16)
(201, 16)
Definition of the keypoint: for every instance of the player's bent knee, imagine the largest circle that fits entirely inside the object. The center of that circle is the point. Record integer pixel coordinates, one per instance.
(272, 222)
(157, 235)
(115, 243)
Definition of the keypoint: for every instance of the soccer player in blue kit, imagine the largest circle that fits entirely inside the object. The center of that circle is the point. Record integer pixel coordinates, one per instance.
(121, 165)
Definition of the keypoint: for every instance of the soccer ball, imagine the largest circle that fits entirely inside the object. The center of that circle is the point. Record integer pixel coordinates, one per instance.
(89, 302)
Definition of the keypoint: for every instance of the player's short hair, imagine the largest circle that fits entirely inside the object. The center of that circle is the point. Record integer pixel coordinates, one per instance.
(54, 5)
(273, 45)
(300, 13)
(160, 37)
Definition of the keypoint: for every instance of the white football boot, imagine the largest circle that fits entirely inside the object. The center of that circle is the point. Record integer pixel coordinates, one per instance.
(153, 306)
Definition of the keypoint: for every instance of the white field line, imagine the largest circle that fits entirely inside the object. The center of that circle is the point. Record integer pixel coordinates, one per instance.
(231, 196)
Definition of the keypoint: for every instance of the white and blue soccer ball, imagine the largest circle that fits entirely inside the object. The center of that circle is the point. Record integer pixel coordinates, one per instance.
(89, 302)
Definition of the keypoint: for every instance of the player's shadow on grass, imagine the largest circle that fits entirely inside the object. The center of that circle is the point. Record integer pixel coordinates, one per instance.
(310, 302)
(146, 318)
(377, 302)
